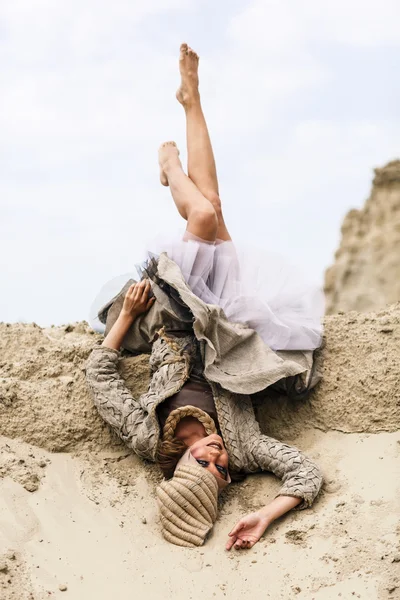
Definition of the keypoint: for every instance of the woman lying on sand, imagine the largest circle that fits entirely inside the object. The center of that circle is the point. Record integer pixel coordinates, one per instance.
(212, 342)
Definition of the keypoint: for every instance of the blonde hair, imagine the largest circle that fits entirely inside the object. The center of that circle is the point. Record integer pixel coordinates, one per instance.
(187, 411)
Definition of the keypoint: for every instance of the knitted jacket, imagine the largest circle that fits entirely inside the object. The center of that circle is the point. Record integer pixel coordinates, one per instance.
(136, 423)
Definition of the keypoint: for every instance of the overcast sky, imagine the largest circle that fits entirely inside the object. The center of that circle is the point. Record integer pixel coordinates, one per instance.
(302, 100)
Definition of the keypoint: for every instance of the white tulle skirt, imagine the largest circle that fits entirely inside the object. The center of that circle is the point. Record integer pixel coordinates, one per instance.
(252, 286)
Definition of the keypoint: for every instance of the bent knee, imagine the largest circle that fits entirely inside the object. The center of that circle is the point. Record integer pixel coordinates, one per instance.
(204, 222)
(215, 200)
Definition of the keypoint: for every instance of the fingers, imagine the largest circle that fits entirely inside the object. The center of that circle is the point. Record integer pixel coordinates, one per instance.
(238, 527)
(146, 289)
(244, 543)
(136, 290)
(142, 288)
(230, 543)
(150, 303)
(240, 544)
(139, 288)
(129, 296)
(137, 299)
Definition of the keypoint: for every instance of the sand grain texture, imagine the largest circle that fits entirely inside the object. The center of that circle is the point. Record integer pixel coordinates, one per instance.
(366, 273)
(77, 509)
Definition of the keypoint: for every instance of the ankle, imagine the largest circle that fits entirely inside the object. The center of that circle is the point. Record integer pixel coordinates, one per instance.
(192, 101)
(171, 165)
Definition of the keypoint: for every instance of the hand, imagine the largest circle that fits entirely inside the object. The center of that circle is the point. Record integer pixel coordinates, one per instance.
(247, 531)
(137, 299)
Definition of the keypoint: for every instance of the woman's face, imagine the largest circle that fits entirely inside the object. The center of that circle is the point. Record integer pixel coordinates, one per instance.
(210, 453)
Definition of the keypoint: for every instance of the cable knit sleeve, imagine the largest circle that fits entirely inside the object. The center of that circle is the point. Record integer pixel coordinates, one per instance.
(300, 476)
(110, 395)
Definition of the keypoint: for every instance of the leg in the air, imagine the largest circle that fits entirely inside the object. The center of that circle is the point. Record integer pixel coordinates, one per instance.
(201, 164)
(199, 213)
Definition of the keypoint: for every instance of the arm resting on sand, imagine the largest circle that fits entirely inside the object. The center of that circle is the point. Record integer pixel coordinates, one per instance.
(250, 528)
(300, 476)
(301, 479)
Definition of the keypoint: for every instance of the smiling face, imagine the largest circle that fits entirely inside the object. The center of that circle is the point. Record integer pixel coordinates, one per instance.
(211, 454)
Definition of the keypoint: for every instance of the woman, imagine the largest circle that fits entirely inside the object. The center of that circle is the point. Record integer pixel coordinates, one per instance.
(215, 347)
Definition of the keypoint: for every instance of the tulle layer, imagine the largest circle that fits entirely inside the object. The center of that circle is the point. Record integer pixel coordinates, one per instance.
(251, 286)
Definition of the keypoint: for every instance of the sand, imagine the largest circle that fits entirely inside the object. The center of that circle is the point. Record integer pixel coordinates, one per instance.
(365, 274)
(78, 516)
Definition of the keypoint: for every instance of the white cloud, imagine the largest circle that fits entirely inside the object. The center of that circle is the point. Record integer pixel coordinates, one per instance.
(285, 26)
(44, 30)
(356, 22)
(250, 90)
(272, 24)
(78, 79)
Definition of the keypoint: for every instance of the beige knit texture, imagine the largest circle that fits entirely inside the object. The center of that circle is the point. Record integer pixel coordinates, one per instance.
(187, 411)
(188, 506)
(135, 419)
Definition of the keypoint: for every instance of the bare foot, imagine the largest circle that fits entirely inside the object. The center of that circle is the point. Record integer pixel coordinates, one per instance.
(168, 153)
(189, 69)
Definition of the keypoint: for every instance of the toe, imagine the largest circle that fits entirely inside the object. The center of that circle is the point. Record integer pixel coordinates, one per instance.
(165, 144)
(193, 55)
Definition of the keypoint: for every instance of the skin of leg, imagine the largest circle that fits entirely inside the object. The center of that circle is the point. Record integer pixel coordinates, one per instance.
(201, 217)
(201, 163)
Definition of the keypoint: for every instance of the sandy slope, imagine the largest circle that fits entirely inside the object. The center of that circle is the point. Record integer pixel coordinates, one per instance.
(365, 275)
(78, 510)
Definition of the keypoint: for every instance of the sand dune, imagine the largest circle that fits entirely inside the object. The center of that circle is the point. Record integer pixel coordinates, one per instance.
(78, 516)
(366, 272)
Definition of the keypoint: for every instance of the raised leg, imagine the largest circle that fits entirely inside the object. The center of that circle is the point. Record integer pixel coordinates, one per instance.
(201, 163)
(199, 213)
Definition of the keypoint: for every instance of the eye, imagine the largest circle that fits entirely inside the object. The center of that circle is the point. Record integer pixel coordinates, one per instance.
(202, 463)
(222, 470)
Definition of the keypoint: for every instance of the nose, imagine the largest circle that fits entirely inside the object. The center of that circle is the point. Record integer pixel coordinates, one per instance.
(215, 451)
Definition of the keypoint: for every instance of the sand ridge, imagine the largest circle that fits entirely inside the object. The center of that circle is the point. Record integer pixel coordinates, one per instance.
(365, 275)
(78, 511)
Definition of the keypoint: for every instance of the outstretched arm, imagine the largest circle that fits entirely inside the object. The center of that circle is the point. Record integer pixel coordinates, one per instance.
(301, 479)
(249, 530)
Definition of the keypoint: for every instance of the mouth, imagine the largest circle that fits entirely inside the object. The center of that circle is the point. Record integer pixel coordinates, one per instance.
(215, 445)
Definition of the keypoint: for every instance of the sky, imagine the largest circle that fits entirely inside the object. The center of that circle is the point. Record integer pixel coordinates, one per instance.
(302, 102)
